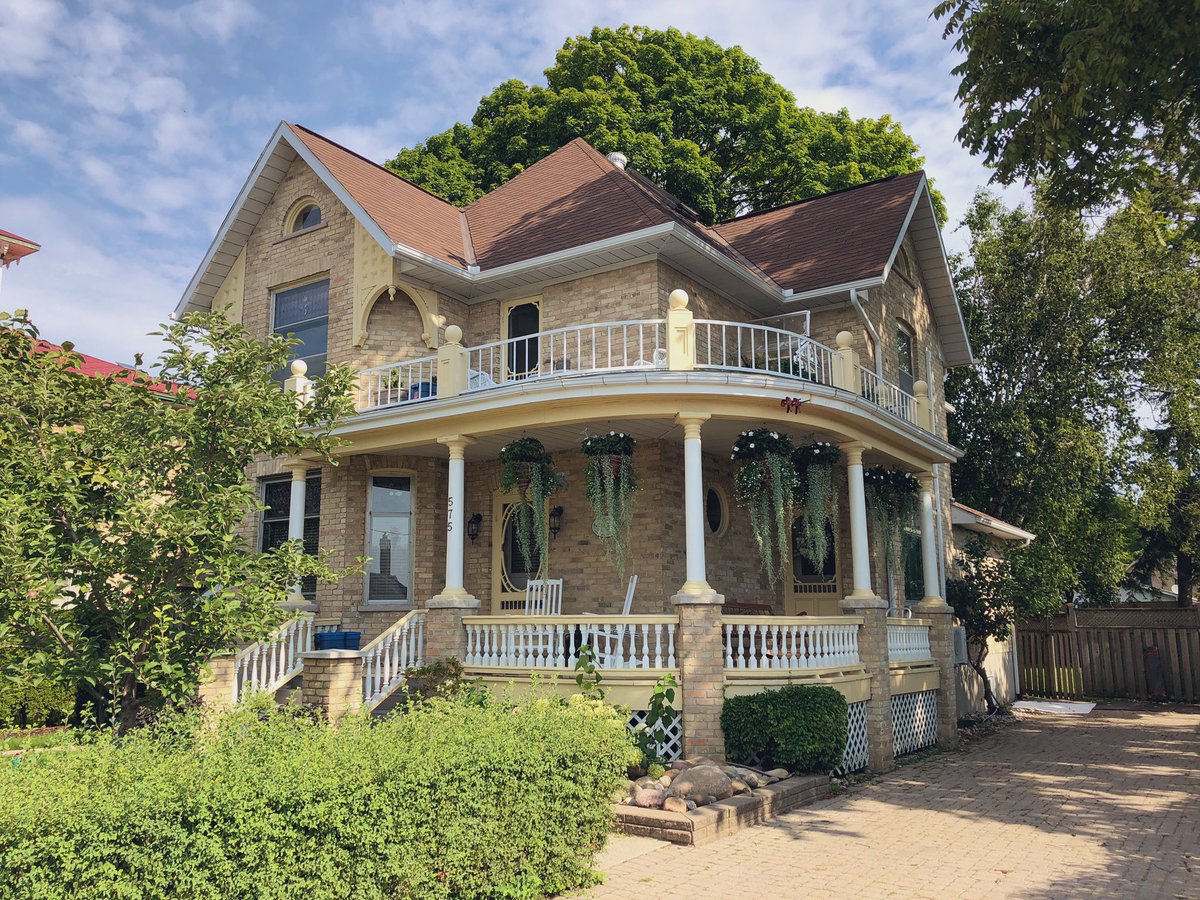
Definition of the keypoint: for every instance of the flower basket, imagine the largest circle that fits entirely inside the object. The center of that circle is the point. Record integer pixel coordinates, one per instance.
(611, 486)
(766, 486)
(528, 469)
(891, 503)
(818, 487)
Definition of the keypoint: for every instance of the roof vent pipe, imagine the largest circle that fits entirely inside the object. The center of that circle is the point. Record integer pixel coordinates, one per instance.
(618, 159)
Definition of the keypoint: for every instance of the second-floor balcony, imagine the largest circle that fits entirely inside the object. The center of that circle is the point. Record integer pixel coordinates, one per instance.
(678, 343)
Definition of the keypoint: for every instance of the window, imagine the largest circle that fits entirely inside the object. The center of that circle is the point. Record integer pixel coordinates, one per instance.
(807, 578)
(716, 512)
(390, 539)
(277, 498)
(522, 322)
(308, 216)
(303, 312)
(516, 573)
(904, 349)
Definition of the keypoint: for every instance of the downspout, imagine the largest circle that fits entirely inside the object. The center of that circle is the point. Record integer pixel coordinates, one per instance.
(858, 308)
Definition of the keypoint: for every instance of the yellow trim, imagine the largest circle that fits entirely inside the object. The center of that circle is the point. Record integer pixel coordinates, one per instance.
(375, 277)
(909, 678)
(505, 308)
(824, 603)
(631, 688)
(232, 292)
(854, 684)
(499, 595)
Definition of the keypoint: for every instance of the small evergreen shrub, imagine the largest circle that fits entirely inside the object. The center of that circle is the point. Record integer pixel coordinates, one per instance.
(799, 727)
(450, 799)
(28, 703)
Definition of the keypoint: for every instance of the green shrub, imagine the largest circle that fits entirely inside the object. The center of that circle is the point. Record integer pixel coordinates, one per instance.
(800, 727)
(450, 799)
(30, 703)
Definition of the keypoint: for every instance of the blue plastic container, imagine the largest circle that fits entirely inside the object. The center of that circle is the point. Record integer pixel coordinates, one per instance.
(422, 389)
(337, 640)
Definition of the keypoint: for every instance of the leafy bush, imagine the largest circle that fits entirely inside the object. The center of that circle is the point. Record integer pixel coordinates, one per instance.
(29, 703)
(800, 727)
(450, 799)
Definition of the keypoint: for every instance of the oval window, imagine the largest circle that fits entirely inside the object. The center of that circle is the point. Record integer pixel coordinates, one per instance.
(307, 218)
(715, 512)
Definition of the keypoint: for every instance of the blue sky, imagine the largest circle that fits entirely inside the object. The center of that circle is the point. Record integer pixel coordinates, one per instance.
(126, 129)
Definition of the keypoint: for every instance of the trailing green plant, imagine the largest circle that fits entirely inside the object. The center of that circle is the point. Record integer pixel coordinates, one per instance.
(892, 504)
(817, 488)
(765, 484)
(587, 676)
(528, 469)
(611, 486)
(447, 800)
(661, 714)
(800, 727)
(442, 678)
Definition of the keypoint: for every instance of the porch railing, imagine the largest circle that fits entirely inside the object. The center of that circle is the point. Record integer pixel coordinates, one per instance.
(790, 642)
(575, 350)
(888, 396)
(760, 348)
(387, 657)
(908, 640)
(273, 661)
(553, 642)
(397, 383)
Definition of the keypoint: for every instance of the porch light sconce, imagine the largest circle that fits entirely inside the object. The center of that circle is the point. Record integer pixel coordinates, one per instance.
(473, 526)
(556, 515)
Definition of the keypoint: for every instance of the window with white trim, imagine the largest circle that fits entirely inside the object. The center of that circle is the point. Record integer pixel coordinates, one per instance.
(303, 313)
(277, 498)
(390, 539)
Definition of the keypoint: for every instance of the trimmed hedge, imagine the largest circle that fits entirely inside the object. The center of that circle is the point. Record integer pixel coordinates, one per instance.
(799, 727)
(449, 799)
(33, 704)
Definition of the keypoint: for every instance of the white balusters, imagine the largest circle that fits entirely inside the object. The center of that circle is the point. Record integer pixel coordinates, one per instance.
(908, 640)
(272, 662)
(759, 348)
(385, 659)
(553, 642)
(787, 642)
(887, 396)
(397, 383)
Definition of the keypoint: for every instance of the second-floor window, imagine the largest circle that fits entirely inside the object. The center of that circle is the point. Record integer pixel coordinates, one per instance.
(304, 313)
(907, 367)
(522, 322)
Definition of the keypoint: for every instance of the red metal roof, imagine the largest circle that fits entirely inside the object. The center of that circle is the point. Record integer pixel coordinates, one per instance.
(13, 248)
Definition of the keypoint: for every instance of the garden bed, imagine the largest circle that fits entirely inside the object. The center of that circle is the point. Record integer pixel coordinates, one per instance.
(724, 817)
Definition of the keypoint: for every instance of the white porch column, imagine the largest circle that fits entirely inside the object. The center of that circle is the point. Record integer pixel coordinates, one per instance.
(929, 543)
(860, 551)
(455, 523)
(693, 495)
(296, 502)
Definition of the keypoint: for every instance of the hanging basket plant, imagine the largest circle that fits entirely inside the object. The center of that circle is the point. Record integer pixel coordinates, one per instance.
(817, 492)
(528, 469)
(766, 486)
(611, 485)
(891, 504)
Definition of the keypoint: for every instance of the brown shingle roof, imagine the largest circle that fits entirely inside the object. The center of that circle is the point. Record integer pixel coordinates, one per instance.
(573, 196)
(825, 241)
(407, 214)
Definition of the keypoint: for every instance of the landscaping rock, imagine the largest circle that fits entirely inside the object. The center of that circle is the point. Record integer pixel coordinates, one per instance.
(647, 783)
(677, 805)
(649, 798)
(739, 786)
(691, 804)
(780, 773)
(665, 781)
(702, 781)
(753, 779)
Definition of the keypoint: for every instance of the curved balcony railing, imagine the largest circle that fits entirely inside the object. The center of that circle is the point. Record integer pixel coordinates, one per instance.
(633, 346)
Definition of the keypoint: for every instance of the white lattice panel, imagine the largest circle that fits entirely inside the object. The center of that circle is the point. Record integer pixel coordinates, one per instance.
(914, 721)
(855, 757)
(670, 740)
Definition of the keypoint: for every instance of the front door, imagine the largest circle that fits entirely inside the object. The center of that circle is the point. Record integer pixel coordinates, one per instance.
(808, 588)
(510, 573)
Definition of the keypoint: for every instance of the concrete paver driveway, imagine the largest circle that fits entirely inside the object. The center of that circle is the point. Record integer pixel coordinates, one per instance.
(1054, 806)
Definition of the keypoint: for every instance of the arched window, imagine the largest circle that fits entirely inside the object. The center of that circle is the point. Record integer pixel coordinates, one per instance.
(307, 216)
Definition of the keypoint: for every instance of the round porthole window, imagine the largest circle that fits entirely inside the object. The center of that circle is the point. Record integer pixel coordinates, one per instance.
(716, 511)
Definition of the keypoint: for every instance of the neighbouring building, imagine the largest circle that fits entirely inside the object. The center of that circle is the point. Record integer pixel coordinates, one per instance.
(578, 299)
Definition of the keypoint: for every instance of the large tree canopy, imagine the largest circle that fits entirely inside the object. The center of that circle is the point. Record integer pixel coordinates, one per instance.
(121, 572)
(1096, 99)
(704, 121)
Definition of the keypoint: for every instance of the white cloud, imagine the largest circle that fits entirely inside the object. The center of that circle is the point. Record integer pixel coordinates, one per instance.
(29, 29)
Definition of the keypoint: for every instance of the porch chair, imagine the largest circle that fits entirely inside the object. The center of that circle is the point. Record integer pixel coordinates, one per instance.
(607, 641)
(543, 597)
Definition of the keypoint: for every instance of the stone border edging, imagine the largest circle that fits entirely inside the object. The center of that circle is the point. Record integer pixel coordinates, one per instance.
(725, 817)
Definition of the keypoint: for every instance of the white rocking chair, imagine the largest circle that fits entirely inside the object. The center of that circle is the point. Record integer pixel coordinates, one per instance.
(608, 641)
(543, 597)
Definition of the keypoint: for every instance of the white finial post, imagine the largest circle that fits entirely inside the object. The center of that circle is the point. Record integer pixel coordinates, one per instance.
(299, 384)
(681, 333)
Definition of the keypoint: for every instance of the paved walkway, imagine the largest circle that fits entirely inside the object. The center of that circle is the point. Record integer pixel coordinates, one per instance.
(1054, 806)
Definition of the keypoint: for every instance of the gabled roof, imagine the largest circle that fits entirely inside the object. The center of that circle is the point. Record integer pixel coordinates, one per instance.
(14, 248)
(575, 209)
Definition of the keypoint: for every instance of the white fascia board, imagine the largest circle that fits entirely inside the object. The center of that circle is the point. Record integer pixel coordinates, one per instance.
(962, 323)
(922, 186)
(862, 284)
(231, 216)
(971, 520)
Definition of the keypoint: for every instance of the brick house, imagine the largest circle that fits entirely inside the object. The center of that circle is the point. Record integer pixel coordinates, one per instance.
(576, 299)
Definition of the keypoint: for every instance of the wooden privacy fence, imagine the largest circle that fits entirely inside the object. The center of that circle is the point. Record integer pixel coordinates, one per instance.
(1098, 653)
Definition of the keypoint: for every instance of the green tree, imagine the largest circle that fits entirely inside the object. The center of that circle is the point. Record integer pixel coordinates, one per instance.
(1096, 99)
(1045, 416)
(983, 601)
(704, 121)
(120, 570)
